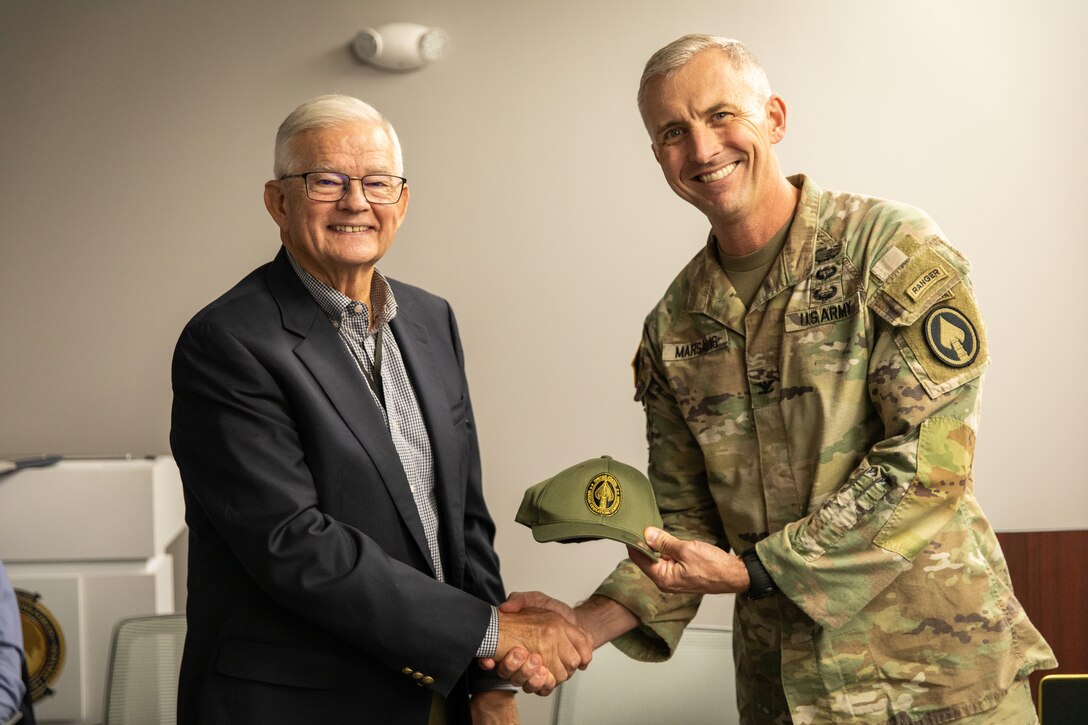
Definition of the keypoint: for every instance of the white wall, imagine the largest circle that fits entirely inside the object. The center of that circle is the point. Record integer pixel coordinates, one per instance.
(135, 139)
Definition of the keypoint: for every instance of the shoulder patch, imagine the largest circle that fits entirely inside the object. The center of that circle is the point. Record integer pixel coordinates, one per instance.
(912, 277)
(951, 337)
(947, 346)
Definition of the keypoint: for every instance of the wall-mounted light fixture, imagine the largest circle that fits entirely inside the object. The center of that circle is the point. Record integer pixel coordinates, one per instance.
(400, 46)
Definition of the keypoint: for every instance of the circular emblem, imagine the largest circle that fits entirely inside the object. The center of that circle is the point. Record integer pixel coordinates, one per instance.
(603, 494)
(951, 337)
(43, 641)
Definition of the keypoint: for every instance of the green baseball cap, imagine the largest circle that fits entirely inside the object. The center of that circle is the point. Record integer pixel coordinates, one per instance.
(596, 499)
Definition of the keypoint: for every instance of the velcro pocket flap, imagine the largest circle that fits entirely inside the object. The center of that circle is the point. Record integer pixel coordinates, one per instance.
(920, 278)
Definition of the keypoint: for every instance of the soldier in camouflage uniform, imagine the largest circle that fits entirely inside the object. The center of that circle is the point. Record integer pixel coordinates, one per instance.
(822, 420)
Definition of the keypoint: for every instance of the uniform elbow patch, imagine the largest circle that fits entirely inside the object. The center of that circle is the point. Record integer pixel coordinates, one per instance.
(946, 451)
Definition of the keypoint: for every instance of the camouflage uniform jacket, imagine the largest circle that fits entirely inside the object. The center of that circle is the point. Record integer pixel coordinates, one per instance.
(834, 423)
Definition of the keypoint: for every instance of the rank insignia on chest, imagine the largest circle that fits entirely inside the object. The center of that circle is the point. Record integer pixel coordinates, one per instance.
(951, 337)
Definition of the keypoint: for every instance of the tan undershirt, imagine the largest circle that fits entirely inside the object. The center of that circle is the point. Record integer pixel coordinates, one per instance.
(748, 271)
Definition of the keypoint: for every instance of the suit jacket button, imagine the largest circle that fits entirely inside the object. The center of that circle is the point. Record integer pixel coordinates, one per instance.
(417, 675)
(427, 680)
(407, 671)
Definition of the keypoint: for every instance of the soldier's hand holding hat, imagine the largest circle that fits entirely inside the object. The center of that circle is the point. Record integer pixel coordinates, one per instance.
(693, 567)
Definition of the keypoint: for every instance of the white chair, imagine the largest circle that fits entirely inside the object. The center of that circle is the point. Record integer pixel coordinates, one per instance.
(142, 681)
(695, 686)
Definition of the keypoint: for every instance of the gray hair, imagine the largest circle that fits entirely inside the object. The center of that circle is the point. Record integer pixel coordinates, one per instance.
(681, 51)
(327, 112)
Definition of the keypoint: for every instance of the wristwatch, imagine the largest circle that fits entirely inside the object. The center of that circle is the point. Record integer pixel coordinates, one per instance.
(761, 583)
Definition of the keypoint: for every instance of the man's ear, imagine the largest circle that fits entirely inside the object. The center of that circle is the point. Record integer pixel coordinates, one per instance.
(274, 202)
(653, 147)
(776, 117)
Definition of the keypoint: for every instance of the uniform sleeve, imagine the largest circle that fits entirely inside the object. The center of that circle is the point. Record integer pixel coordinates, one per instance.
(927, 356)
(678, 475)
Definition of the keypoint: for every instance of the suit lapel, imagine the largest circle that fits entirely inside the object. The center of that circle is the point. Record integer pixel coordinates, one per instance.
(424, 373)
(328, 360)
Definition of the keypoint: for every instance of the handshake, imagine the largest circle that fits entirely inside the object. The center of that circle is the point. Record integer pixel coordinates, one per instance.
(542, 641)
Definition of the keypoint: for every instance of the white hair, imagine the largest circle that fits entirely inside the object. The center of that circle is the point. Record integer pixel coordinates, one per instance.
(326, 112)
(681, 51)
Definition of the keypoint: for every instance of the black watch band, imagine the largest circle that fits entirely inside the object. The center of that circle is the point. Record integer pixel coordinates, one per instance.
(761, 585)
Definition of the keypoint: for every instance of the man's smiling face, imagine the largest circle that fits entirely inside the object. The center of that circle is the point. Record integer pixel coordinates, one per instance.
(335, 240)
(712, 135)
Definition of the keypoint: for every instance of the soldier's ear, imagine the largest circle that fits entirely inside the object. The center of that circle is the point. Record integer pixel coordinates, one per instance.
(775, 111)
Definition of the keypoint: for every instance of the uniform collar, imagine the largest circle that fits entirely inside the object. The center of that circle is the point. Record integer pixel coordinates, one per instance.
(795, 261)
(713, 295)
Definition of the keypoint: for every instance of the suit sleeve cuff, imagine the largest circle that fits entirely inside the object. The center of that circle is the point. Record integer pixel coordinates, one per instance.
(482, 680)
(490, 643)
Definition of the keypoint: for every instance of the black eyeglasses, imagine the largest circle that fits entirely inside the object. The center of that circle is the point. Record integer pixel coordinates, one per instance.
(331, 186)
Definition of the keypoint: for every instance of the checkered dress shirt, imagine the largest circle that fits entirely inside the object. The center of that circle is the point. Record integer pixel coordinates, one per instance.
(401, 411)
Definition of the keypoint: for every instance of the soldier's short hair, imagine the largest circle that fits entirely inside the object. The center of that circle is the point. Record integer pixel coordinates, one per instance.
(681, 51)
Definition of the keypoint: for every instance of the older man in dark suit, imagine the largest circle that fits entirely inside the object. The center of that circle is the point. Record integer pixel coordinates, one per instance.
(341, 566)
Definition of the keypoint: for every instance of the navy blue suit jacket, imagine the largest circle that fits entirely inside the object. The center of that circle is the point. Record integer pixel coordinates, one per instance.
(311, 590)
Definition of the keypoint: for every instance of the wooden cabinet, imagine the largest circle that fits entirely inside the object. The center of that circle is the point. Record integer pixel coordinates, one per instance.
(1049, 571)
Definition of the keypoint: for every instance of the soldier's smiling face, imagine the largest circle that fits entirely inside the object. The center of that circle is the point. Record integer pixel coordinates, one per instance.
(712, 135)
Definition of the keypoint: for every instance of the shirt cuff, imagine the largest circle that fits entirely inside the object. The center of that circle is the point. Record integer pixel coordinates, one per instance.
(490, 643)
(490, 681)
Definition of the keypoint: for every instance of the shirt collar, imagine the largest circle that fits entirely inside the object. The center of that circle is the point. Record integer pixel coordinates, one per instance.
(336, 304)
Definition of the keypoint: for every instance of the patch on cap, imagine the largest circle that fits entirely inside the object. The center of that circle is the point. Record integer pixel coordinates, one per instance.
(596, 499)
(603, 494)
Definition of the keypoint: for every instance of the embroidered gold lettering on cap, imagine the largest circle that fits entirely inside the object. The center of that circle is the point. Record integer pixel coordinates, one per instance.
(603, 494)
(583, 503)
(926, 280)
(951, 337)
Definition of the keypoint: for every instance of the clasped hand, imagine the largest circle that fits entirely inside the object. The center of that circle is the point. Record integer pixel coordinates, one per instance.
(542, 641)
(538, 646)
